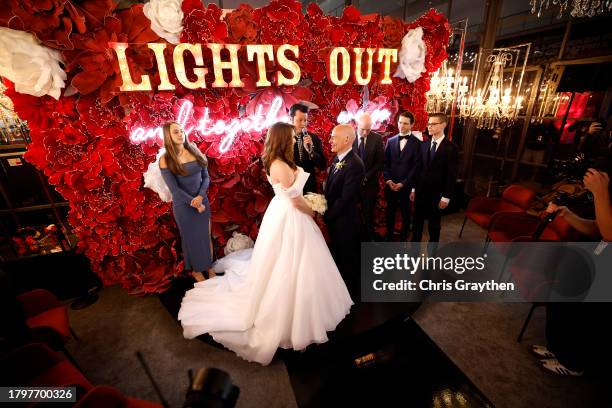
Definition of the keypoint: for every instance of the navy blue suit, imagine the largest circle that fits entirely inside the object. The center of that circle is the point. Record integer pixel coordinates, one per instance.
(435, 179)
(400, 167)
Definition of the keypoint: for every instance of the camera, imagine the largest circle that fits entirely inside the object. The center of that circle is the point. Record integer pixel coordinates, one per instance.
(571, 170)
(211, 388)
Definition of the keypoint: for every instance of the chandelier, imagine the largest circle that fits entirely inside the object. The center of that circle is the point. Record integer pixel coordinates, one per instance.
(579, 8)
(498, 102)
(549, 99)
(444, 85)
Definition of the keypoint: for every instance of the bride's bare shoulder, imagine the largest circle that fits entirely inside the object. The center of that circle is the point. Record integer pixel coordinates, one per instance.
(280, 172)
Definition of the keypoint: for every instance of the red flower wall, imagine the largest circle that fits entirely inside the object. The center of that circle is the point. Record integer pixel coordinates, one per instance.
(81, 141)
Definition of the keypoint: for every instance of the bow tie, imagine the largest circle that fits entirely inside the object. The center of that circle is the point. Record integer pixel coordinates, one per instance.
(402, 137)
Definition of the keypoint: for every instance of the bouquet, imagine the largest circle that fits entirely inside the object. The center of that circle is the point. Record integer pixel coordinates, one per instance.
(316, 202)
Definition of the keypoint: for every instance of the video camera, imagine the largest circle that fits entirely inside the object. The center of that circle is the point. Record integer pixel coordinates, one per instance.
(211, 388)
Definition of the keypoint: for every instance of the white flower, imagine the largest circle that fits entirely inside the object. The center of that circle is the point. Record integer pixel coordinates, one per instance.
(412, 56)
(33, 68)
(166, 18)
(316, 202)
(238, 242)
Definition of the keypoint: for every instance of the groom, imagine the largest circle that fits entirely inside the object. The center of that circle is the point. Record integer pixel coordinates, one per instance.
(342, 192)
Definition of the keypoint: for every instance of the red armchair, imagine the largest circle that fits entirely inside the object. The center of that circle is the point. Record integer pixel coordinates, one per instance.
(509, 227)
(46, 318)
(481, 210)
(104, 396)
(36, 365)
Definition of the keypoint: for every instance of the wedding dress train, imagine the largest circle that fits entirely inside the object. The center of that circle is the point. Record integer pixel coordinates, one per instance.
(285, 292)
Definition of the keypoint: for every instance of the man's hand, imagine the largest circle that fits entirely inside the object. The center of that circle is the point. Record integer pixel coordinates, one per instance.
(442, 204)
(596, 182)
(412, 196)
(391, 185)
(594, 128)
(399, 186)
(308, 145)
(560, 209)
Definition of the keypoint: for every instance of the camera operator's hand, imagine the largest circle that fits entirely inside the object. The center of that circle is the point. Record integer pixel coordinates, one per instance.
(596, 182)
(561, 209)
(594, 128)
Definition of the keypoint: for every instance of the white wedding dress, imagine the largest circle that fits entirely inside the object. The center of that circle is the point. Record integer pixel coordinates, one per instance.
(285, 292)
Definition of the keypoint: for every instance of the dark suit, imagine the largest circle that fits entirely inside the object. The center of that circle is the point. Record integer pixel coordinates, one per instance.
(435, 179)
(373, 157)
(342, 192)
(400, 167)
(310, 162)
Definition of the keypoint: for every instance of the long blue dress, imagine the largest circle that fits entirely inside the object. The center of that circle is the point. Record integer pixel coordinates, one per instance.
(193, 226)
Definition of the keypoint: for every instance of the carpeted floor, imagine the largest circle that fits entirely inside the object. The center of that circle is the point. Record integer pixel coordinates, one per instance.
(480, 338)
(118, 325)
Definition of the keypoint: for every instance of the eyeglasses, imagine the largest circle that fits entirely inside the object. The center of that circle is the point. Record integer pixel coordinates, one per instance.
(436, 123)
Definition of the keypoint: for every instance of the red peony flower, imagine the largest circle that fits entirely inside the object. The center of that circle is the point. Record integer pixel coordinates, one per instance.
(242, 28)
(393, 29)
(53, 21)
(281, 22)
(204, 25)
(97, 64)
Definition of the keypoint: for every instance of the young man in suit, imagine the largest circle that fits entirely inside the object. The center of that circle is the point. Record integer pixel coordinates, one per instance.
(343, 192)
(435, 180)
(402, 158)
(368, 146)
(308, 150)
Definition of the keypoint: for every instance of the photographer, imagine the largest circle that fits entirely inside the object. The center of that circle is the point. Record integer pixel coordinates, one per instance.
(573, 330)
(592, 139)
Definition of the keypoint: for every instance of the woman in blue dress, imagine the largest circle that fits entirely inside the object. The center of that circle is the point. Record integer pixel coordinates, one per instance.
(185, 171)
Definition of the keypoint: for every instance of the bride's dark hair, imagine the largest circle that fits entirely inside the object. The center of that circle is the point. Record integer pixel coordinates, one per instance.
(279, 145)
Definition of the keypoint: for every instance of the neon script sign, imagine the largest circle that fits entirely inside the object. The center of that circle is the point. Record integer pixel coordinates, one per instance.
(204, 126)
(342, 65)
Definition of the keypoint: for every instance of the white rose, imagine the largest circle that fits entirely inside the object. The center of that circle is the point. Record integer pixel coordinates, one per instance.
(33, 68)
(166, 18)
(412, 56)
(238, 242)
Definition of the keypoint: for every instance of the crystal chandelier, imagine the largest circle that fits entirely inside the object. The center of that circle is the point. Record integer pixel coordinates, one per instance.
(444, 85)
(579, 8)
(498, 102)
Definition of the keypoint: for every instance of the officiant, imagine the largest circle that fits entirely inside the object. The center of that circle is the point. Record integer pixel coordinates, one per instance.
(307, 150)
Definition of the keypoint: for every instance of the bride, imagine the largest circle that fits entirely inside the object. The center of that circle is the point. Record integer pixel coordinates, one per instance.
(286, 291)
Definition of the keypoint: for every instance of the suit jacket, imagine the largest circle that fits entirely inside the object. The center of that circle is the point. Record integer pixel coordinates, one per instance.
(309, 165)
(374, 160)
(401, 165)
(342, 191)
(437, 179)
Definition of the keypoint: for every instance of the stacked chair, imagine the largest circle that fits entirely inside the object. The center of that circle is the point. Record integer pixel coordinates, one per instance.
(44, 360)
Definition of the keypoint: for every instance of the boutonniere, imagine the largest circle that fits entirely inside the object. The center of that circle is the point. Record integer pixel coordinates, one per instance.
(340, 165)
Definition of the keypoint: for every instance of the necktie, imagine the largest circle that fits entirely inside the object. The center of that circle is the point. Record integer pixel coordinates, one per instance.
(362, 147)
(432, 151)
(300, 143)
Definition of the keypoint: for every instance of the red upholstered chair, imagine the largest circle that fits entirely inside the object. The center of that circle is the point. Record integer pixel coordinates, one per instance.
(482, 210)
(46, 318)
(510, 227)
(104, 396)
(36, 365)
